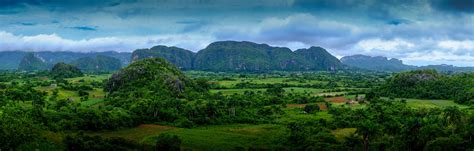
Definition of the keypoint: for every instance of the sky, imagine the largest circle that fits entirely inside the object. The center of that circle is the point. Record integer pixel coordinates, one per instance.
(419, 32)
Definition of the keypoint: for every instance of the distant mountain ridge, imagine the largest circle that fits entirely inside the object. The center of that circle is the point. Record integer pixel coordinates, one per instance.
(98, 64)
(233, 56)
(379, 63)
(32, 62)
(10, 60)
(182, 58)
(244, 56)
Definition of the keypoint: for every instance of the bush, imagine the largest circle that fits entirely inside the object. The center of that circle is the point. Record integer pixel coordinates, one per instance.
(80, 142)
(168, 142)
(310, 108)
(184, 122)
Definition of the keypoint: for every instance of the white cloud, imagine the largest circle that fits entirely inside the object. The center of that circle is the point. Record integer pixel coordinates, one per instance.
(438, 56)
(383, 45)
(53, 42)
(456, 45)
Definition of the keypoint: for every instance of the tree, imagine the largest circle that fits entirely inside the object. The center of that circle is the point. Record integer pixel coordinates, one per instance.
(368, 129)
(452, 115)
(16, 128)
(310, 108)
(276, 90)
(370, 96)
(202, 84)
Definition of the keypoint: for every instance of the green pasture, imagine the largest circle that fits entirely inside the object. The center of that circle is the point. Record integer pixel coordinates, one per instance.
(312, 91)
(433, 103)
(89, 78)
(232, 83)
(218, 137)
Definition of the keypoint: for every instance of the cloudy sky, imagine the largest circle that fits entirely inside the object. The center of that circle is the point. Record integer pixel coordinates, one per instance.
(419, 32)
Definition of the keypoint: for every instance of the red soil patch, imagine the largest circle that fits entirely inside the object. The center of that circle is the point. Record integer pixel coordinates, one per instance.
(154, 126)
(339, 99)
(322, 106)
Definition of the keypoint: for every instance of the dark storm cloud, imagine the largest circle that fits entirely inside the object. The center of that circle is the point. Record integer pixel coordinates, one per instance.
(398, 21)
(454, 5)
(86, 28)
(27, 23)
(62, 3)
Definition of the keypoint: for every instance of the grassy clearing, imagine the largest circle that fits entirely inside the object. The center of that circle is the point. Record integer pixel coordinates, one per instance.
(433, 103)
(422, 103)
(229, 137)
(341, 133)
(303, 90)
(219, 137)
(89, 78)
(91, 102)
(290, 89)
(138, 134)
(232, 83)
(329, 93)
(235, 91)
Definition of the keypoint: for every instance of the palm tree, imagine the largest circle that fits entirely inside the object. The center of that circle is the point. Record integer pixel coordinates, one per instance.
(367, 129)
(452, 115)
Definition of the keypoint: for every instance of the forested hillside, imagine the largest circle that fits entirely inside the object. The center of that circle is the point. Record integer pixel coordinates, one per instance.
(380, 63)
(98, 64)
(182, 58)
(10, 60)
(32, 62)
(319, 59)
(62, 71)
(429, 84)
(244, 56)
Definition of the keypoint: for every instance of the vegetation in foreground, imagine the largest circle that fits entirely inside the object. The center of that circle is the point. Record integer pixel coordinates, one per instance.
(151, 105)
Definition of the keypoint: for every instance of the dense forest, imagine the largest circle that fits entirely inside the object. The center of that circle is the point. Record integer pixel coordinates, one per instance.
(152, 105)
(429, 84)
(98, 64)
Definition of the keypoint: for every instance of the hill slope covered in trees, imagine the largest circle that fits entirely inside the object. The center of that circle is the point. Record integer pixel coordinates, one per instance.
(380, 63)
(428, 84)
(32, 62)
(10, 60)
(182, 58)
(98, 63)
(244, 56)
(62, 70)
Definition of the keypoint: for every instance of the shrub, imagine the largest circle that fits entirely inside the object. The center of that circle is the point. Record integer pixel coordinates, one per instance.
(168, 142)
(310, 108)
